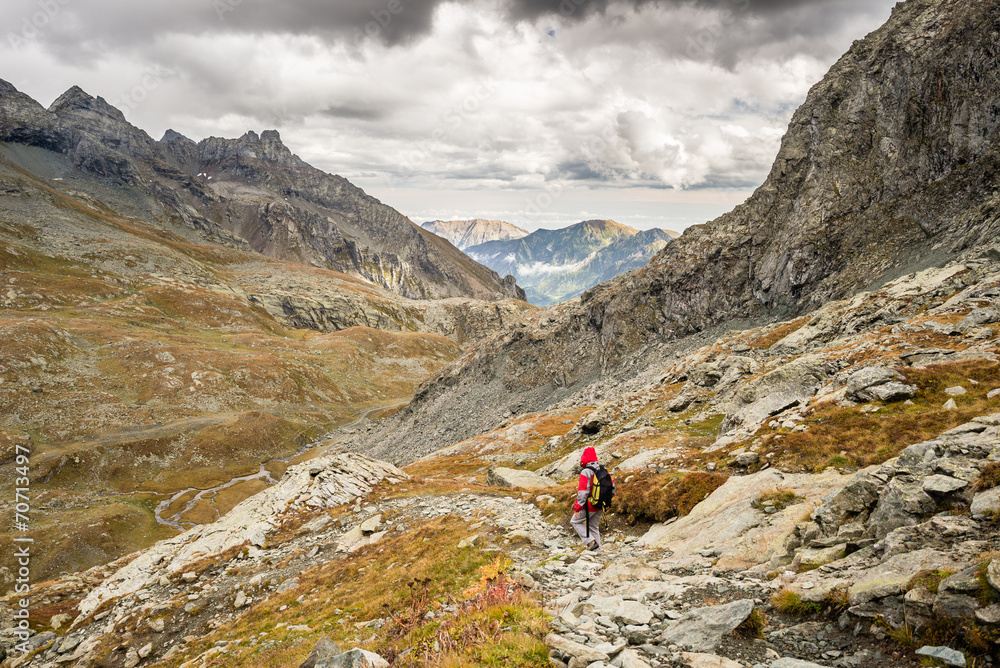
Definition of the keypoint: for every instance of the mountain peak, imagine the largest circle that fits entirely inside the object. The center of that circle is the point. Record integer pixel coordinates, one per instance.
(173, 135)
(467, 233)
(608, 225)
(77, 99)
(7, 88)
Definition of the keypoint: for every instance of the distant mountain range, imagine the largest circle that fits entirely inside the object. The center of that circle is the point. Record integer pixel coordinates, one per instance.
(251, 193)
(555, 265)
(467, 233)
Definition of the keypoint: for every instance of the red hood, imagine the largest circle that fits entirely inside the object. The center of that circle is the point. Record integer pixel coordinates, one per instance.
(589, 455)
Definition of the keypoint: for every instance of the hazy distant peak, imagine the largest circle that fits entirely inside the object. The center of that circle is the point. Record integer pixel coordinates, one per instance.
(467, 233)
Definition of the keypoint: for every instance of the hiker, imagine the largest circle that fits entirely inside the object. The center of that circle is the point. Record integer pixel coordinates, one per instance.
(593, 496)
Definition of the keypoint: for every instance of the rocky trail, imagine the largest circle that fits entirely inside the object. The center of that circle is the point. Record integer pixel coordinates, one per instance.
(631, 604)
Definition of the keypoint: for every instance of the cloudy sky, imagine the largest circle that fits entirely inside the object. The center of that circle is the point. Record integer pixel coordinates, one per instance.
(541, 112)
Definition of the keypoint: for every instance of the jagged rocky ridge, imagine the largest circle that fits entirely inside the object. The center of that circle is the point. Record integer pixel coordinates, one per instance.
(888, 167)
(251, 192)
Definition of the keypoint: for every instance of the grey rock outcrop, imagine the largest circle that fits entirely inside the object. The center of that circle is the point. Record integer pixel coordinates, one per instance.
(323, 650)
(504, 477)
(355, 658)
(878, 384)
(324, 482)
(702, 629)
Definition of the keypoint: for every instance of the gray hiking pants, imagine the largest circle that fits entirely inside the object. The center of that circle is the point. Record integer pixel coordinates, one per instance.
(580, 523)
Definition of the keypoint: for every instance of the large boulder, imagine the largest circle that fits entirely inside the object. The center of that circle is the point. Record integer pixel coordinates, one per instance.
(904, 503)
(356, 658)
(504, 477)
(980, 317)
(702, 629)
(986, 504)
(728, 523)
(323, 650)
(878, 383)
(772, 393)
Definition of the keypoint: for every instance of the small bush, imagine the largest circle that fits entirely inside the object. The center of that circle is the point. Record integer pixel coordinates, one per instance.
(989, 477)
(753, 626)
(791, 603)
(660, 496)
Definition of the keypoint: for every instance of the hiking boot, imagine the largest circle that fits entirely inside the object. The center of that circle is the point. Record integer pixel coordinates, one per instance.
(593, 546)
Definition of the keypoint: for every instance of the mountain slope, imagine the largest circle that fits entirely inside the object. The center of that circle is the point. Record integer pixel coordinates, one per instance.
(158, 381)
(466, 233)
(889, 166)
(553, 265)
(253, 187)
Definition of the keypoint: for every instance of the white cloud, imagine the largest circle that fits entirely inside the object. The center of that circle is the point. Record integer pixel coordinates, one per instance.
(463, 97)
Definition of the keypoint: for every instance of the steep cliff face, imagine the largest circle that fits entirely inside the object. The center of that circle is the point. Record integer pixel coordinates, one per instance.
(288, 209)
(889, 166)
(256, 189)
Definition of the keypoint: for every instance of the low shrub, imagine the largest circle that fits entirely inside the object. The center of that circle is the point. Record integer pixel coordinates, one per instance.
(753, 626)
(659, 496)
(989, 477)
(791, 603)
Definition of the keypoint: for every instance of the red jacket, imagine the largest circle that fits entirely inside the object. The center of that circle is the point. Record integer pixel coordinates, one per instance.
(589, 456)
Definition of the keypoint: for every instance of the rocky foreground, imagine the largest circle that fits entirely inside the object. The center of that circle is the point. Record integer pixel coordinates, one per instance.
(890, 550)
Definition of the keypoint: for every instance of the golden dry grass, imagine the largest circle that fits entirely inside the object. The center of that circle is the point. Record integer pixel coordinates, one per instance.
(839, 436)
(398, 579)
(659, 496)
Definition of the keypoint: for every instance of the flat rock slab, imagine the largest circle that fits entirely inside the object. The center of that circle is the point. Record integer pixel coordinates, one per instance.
(503, 477)
(740, 534)
(698, 660)
(946, 655)
(795, 663)
(702, 629)
(889, 577)
(574, 649)
(943, 484)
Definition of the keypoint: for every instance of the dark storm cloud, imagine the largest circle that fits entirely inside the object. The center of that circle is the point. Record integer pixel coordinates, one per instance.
(355, 112)
(579, 9)
(117, 22)
(68, 24)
